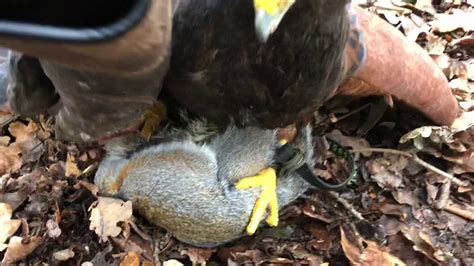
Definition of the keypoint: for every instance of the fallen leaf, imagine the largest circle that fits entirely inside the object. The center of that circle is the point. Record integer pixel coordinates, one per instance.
(148, 263)
(106, 213)
(100, 257)
(47, 127)
(322, 239)
(26, 140)
(459, 19)
(53, 229)
(388, 180)
(347, 141)
(132, 259)
(370, 255)
(10, 160)
(254, 256)
(394, 209)
(390, 225)
(18, 248)
(4, 140)
(414, 235)
(463, 122)
(198, 255)
(23, 133)
(406, 196)
(172, 263)
(93, 188)
(129, 245)
(455, 223)
(71, 166)
(63, 255)
(15, 199)
(402, 248)
(7, 226)
(425, 5)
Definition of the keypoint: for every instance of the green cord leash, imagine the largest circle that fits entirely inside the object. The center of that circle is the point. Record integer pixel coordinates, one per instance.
(290, 158)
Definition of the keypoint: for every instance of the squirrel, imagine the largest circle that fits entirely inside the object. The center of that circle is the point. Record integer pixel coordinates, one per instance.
(184, 179)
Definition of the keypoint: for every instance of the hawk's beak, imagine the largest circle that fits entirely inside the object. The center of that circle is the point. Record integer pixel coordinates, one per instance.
(268, 15)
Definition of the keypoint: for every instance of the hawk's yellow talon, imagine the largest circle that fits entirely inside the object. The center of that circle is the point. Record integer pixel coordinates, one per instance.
(266, 180)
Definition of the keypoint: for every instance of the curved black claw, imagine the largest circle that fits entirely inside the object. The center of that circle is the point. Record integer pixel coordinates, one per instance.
(291, 159)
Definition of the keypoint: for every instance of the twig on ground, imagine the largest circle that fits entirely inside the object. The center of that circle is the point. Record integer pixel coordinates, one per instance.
(416, 159)
(139, 232)
(336, 119)
(360, 239)
(347, 205)
(466, 212)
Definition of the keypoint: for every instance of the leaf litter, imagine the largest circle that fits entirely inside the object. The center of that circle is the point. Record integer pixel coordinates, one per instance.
(398, 211)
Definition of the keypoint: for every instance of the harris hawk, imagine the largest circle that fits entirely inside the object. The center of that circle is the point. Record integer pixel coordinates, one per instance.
(259, 63)
(271, 63)
(264, 63)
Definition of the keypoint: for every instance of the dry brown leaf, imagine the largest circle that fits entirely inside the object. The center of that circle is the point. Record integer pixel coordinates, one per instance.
(371, 255)
(106, 213)
(71, 166)
(198, 255)
(148, 263)
(322, 239)
(389, 225)
(17, 250)
(464, 162)
(463, 122)
(132, 259)
(4, 140)
(436, 45)
(420, 244)
(53, 229)
(347, 141)
(128, 245)
(406, 196)
(47, 127)
(94, 189)
(63, 255)
(388, 180)
(26, 140)
(15, 199)
(25, 135)
(10, 160)
(21, 132)
(7, 226)
(254, 256)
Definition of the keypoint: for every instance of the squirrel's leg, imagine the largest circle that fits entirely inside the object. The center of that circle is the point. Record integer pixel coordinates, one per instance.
(266, 180)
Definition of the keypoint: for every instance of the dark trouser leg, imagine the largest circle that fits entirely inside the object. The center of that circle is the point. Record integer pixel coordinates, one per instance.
(30, 91)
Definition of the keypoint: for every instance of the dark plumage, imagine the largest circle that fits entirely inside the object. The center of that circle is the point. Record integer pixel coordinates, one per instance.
(220, 70)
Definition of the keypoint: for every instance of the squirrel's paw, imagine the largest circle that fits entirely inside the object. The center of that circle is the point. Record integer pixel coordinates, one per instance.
(266, 180)
(152, 117)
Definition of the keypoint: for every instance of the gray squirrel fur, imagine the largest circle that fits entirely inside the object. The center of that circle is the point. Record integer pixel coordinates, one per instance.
(188, 187)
